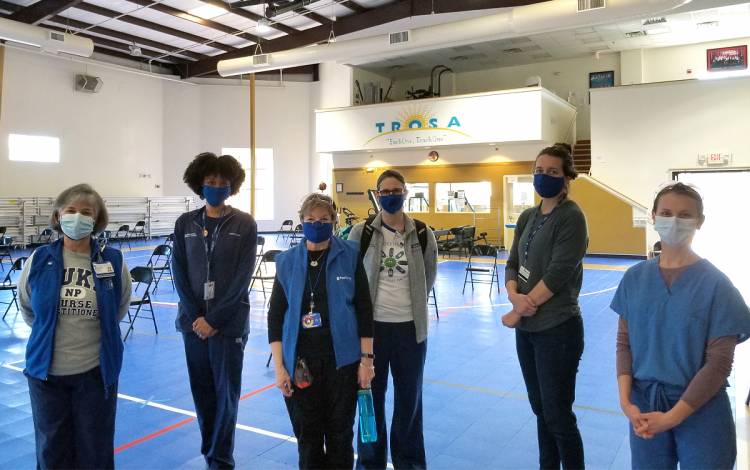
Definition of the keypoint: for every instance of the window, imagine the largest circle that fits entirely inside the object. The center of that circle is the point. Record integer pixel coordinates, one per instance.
(33, 148)
(463, 197)
(263, 182)
(418, 198)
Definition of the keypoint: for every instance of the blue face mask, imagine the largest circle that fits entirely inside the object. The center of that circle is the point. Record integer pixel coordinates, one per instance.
(216, 196)
(76, 226)
(392, 203)
(317, 232)
(548, 186)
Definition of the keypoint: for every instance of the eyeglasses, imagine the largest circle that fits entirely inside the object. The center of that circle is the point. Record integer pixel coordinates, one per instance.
(391, 192)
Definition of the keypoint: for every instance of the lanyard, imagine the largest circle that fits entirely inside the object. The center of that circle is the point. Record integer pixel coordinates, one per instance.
(314, 286)
(534, 229)
(214, 241)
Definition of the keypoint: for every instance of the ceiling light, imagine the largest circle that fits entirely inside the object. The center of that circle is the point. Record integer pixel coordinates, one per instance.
(207, 12)
(707, 25)
(135, 51)
(262, 26)
(513, 50)
(635, 34)
(651, 21)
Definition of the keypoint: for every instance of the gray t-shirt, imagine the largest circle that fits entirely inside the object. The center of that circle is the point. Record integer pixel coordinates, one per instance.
(393, 300)
(554, 255)
(78, 331)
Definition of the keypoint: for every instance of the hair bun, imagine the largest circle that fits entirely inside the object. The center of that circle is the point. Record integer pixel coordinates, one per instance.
(564, 146)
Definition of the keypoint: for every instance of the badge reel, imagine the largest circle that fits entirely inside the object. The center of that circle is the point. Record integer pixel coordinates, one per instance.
(524, 274)
(208, 290)
(312, 319)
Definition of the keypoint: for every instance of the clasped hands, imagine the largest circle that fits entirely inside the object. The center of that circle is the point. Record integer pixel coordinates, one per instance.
(647, 425)
(202, 329)
(523, 306)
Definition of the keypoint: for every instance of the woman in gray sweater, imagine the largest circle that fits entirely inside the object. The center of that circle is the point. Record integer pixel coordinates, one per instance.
(543, 277)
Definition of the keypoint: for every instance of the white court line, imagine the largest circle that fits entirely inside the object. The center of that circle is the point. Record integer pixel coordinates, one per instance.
(192, 414)
(508, 304)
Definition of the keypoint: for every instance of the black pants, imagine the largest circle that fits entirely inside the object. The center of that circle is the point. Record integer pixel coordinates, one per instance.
(74, 421)
(322, 415)
(549, 362)
(215, 371)
(396, 348)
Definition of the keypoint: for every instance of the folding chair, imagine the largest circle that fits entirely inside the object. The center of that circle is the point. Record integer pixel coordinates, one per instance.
(104, 237)
(141, 275)
(8, 285)
(485, 274)
(138, 232)
(260, 245)
(265, 272)
(122, 234)
(160, 262)
(169, 240)
(5, 244)
(283, 231)
(45, 238)
(295, 236)
(432, 300)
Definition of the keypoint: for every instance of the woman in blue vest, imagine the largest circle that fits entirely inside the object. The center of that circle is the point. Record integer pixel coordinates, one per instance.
(680, 320)
(73, 294)
(320, 330)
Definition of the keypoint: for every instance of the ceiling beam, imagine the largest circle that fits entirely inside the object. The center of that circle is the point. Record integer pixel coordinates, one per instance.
(11, 7)
(315, 16)
(195, 19)
(123, 55)
(42, 10)
(80, 25)
(354, 6)
(250, 16)
(120, 46)
(348, 24)
(153, 26)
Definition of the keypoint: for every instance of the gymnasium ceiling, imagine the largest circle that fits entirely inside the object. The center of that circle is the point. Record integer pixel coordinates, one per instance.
(190, 36)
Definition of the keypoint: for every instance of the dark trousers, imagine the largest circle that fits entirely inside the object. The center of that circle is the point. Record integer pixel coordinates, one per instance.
(549, 362)
(74, 421)
(322, 415)
(215, 370)
(396, 348)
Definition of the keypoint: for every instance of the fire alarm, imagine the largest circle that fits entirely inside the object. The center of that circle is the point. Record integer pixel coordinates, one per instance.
(433, 156)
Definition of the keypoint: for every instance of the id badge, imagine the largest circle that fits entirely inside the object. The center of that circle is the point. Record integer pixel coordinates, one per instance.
(208, 290)
(524, 274)
(311, 320)
(104, 270)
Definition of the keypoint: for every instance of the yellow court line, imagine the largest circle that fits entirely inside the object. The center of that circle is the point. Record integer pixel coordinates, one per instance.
(593, 266)
(516, 396)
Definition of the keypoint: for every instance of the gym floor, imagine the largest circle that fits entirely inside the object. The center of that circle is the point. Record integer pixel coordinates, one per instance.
(476, 415)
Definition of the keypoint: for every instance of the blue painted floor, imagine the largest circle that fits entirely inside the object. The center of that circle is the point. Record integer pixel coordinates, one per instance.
(475, 408)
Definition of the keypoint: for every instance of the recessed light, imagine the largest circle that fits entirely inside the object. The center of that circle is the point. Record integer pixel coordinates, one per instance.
(207, 12)
(635, 34)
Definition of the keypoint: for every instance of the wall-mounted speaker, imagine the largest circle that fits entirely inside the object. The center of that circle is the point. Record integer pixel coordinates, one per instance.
(88, 84)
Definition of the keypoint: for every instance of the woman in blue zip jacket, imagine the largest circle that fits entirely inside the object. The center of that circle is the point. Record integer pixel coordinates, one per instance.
(73, 294)
(212, 264)
(320, 329)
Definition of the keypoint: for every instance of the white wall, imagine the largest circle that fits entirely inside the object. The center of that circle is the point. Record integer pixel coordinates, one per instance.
(106, 139)
(672, 63)
(641, 132)
(140, 124)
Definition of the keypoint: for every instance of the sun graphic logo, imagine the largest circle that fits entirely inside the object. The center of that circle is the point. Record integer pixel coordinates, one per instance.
(417, 119)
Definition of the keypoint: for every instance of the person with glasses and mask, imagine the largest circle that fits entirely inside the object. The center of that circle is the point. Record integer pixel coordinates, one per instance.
(680, 320)
(212, 264)
(400, 257)
(73, 294)
(543, 277)
(320, 332)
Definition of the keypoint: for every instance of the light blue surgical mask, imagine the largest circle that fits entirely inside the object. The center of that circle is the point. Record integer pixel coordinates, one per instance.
(674, 230)
(76, 226)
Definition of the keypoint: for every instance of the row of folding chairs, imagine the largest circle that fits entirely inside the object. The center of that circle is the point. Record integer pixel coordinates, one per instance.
(125, 235)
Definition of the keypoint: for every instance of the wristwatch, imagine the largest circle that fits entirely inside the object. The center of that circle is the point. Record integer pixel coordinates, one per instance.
(368, 355)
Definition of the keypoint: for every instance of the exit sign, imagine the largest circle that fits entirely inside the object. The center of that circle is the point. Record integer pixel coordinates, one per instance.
(715, 159)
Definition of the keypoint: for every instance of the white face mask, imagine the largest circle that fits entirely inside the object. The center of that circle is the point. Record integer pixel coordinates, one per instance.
(675, 231)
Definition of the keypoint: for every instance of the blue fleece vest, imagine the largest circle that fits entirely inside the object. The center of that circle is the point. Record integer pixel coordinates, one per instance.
(341, 266)
(45, 280)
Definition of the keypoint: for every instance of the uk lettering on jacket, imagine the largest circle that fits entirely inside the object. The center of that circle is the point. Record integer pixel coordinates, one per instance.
(77, 295)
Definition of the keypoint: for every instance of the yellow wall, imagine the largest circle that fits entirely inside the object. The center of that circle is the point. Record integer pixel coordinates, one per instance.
(610, 220)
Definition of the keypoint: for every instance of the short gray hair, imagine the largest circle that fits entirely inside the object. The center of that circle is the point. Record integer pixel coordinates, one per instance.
(315, 201)
(74, 193)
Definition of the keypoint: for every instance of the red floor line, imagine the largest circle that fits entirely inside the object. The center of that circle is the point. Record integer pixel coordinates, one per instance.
(179, 424)
(153, 435)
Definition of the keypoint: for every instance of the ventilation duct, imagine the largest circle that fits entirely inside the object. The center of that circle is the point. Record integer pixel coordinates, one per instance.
(46, 39)
(555, 15)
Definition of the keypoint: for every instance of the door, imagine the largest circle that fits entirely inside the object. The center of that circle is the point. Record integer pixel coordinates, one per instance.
(518, 195)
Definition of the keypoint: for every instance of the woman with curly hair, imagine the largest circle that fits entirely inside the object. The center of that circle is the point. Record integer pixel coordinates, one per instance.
(212, 262)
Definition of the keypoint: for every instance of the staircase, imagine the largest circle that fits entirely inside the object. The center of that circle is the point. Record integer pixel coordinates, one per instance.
(582, 156)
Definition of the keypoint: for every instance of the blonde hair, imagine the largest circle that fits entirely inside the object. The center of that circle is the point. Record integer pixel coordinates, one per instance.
(317, 201)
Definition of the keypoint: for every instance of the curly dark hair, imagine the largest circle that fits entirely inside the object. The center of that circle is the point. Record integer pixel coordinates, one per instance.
(207, 164)
(562, 151)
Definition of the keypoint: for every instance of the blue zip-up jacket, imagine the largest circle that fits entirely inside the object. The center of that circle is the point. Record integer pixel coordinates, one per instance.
(232, 264)
(341, 266)
(45, 280)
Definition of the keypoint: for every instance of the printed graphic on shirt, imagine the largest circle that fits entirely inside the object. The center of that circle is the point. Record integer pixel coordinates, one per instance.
(77, 294)
(393, 261)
